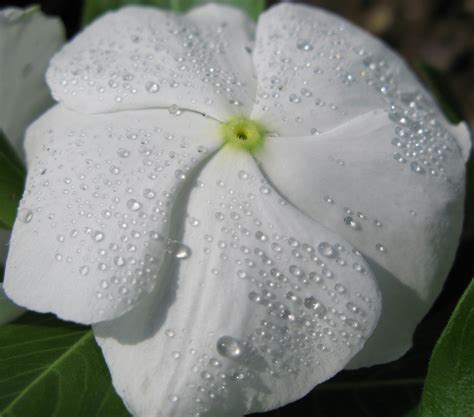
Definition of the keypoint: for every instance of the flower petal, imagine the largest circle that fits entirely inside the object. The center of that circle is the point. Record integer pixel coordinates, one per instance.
(267, 305)
(8, 310)
(393, 189)
(92, 228)
(28, 39)
(144, 57)
(316, 70)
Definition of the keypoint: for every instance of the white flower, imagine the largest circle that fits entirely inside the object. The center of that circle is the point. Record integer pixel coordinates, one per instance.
(214, 254)
(28, 39)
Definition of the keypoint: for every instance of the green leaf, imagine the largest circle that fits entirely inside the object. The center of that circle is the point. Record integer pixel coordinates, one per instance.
(94, 8)
(51, 368)
(449, 388)
(12, 178)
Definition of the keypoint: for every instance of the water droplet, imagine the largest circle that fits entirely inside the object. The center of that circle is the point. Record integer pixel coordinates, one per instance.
(120, 261)
(133, 204)
(304, 45)
(123, 153)
(255, 297)
(194, 222)
(380, 247)
(174, 110)
(84, 270)
(416, 167)
(97, 236)
(317, 306)
(206, 375)
(114, 170)
(359, 268)
(149, 193)
(294, 98)
(340, 289)
(351, 223)
(152, 87)
(25, 215)
(265, 190)
(229, 347)
(179, 174)
(297, 272)
(178, 250)
(325, 249)
(243, 175)
(329, 200)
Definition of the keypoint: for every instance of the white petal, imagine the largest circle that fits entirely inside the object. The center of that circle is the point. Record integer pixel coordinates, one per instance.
(463, 134)
(255, 281)
(28, 39)
(405, 216)
(92, 227)
(141, 57)
(316, 70)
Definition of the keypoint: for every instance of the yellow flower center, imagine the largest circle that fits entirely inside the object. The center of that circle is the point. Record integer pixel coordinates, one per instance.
(244, 134)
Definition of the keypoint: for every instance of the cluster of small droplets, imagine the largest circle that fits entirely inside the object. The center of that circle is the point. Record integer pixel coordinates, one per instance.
(420, 139)
(322, 57)
(358, 221)
(147, 66)
(306, 308)
(105, 226)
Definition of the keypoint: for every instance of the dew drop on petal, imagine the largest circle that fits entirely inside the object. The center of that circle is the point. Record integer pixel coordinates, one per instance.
(149, 193)
(416, 167)
(304, 45)
(25, 215)
(380, 247)
(98, 236)
(84, 270)
(194, 222)
(152, 87)
(174, 110)
(229, 347)
(313, 304)
(178, 250)
(133, 204)
(325, 249)
(351, 223)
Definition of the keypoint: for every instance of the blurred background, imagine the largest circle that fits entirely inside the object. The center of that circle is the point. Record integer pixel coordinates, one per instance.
(437, 39)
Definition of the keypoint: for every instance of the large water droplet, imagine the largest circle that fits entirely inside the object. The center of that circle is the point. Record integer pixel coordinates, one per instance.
(325, 249)
(229, 347)
(178, 250)
(174, 110)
